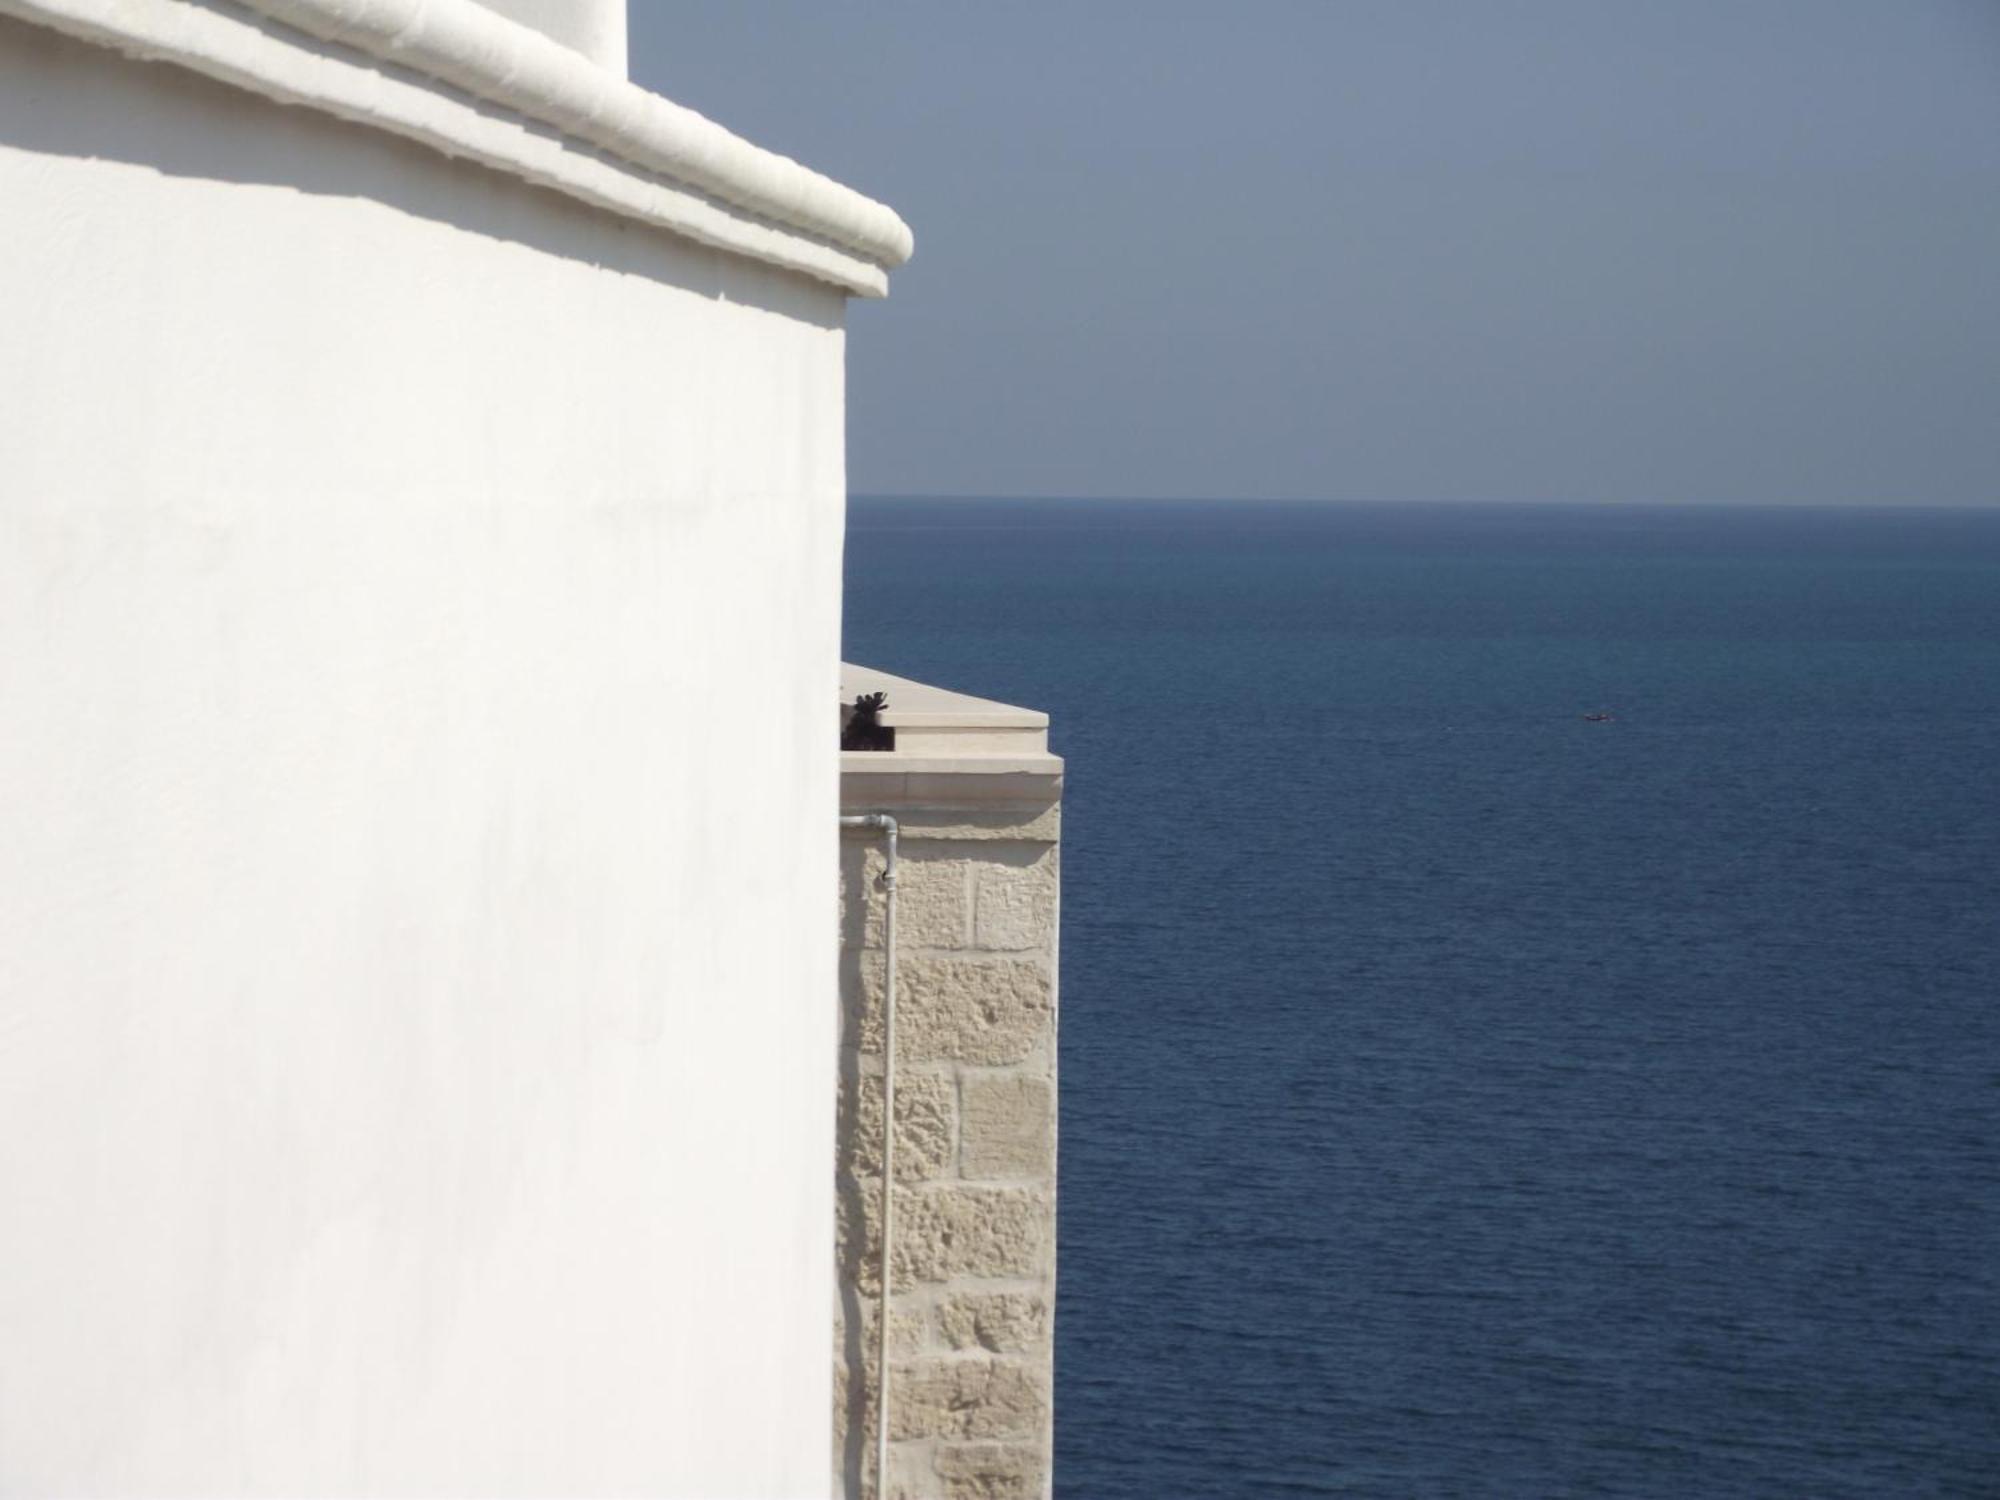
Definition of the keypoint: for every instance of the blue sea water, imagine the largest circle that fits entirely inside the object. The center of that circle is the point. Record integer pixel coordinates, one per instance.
(1464, 1099)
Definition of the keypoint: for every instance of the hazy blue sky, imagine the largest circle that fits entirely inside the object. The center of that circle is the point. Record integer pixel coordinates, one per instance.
(1729, 250)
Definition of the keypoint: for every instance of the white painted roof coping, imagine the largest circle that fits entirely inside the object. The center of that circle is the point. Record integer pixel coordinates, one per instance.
(938, 731)
(463, 79)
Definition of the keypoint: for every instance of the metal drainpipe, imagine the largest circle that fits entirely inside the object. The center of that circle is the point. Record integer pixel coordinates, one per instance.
(887, 825)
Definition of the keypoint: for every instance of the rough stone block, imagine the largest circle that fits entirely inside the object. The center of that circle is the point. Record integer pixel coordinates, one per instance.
(991, 1471)
(855, 875)
(965, 1398)
(1008, 1128)
(1014, 898)
(989, 1012)
(911, 1476)
(943, 1231)
(853, 1410)
(926, 1110)
(855, 1206)
(855, 1360)
(909, 1333)
(947, 1231)
(999, 1322)
(933, 898)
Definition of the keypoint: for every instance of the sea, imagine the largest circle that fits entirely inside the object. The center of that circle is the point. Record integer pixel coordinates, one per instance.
(1463, 1095)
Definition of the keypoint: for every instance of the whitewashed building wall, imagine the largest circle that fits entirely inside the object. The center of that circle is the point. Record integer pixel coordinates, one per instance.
(419, 592)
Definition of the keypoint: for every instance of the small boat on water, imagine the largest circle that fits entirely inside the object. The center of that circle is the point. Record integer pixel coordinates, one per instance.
(1598, 718)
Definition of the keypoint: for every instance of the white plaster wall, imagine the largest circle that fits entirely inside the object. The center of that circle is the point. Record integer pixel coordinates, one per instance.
(596, 28)
(418, 616)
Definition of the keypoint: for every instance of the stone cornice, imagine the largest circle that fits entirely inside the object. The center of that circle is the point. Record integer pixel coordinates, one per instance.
(952, 750)
(463, 80)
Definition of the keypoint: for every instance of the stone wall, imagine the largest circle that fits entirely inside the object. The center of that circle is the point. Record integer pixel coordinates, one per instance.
(973, 1259)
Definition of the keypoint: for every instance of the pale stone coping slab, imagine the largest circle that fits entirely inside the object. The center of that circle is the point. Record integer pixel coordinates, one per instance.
(942, 733)
(948, 803)
(916, 703)
(466, 81)
(899, 763)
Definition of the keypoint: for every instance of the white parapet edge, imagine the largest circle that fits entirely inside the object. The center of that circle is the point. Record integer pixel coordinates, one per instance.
(942, 733)
(467, 81)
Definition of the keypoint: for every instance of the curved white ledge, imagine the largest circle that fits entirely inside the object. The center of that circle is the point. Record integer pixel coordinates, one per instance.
(516, 102)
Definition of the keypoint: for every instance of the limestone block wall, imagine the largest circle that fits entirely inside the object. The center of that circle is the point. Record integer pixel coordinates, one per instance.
(973, 1254)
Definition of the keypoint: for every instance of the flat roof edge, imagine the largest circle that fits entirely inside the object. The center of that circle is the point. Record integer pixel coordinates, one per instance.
(562, 122)
(915, 704)
(938, 730)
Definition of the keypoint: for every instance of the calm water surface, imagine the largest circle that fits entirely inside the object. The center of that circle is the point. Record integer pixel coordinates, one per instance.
(1460, 1098)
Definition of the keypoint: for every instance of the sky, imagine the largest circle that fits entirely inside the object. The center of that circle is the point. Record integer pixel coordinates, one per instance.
(1735, 251)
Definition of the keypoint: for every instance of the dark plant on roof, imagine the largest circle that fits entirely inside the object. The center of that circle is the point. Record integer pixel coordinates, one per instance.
(862, 727)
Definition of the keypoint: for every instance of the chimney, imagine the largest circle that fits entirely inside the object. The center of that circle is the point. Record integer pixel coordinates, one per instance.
(596, 28)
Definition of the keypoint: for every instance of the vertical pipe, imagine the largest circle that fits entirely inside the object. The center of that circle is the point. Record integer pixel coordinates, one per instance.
(889, 830)
(888, 1152)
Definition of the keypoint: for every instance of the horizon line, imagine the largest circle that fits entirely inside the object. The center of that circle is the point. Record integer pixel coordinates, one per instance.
(1899, 507)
